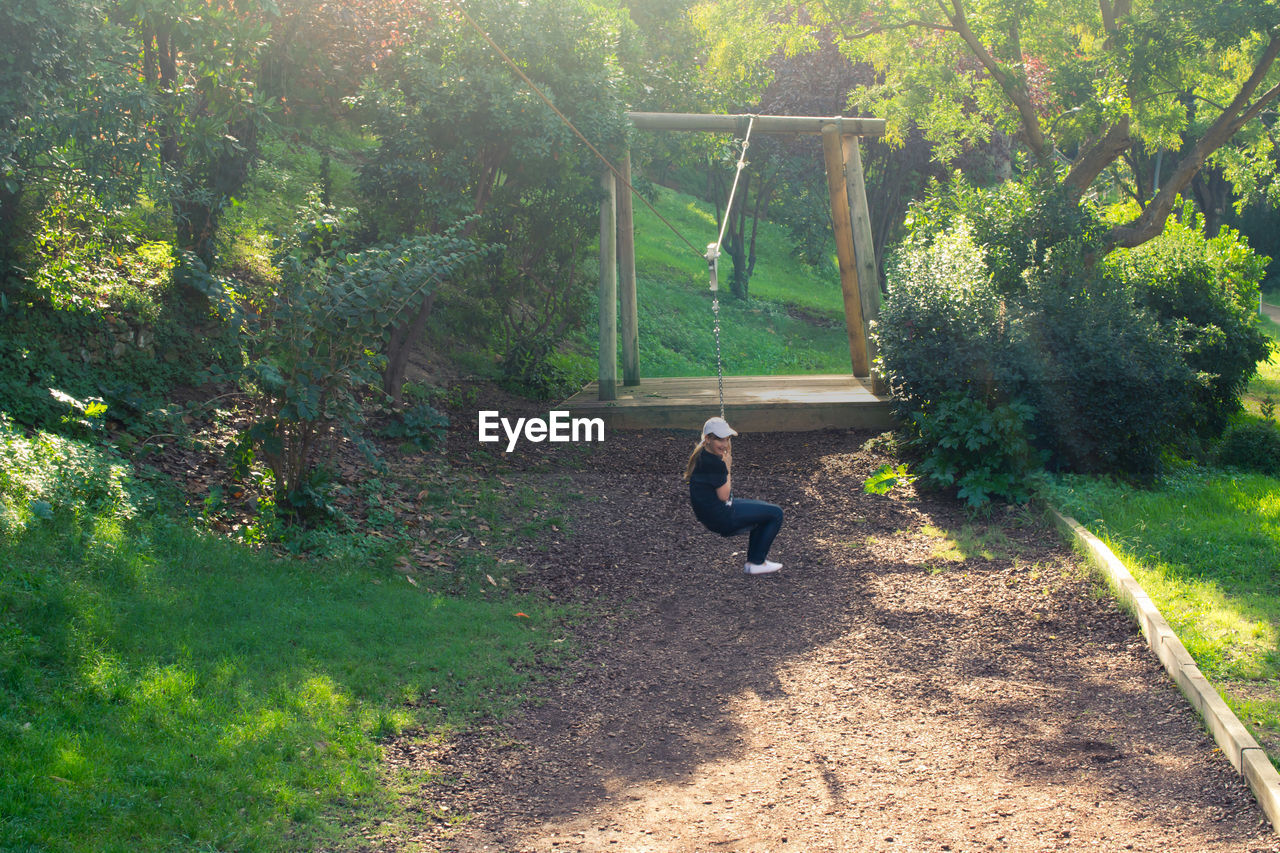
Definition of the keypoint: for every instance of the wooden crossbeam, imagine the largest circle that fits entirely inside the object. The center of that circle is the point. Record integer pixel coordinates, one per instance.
(737, 124)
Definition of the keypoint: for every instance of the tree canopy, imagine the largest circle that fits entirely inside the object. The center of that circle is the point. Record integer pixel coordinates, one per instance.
(1113, 95)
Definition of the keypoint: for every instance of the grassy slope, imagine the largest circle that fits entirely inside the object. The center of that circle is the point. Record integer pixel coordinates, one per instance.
(757, 337)
(1267, 382)
(163, 689)
(1205, 546)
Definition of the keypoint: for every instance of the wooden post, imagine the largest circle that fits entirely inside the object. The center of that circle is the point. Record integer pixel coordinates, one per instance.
(864, 248)
(833, 152)
(608, 372)
(627, 295)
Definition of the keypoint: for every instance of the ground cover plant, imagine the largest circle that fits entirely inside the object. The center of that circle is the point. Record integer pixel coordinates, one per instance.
(164, 688)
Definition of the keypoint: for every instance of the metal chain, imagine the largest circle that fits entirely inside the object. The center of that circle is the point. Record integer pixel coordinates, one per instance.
(715, 310)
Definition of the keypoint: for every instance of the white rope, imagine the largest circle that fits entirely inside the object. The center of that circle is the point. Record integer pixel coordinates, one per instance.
(713, 257)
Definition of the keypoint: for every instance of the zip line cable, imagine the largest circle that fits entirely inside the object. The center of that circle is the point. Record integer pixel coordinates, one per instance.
(617, 174)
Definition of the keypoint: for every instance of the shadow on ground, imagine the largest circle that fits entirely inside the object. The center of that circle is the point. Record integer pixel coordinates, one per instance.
(874, 695)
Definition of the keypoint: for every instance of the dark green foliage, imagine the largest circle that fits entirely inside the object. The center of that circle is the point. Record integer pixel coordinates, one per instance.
(1106, 379)
(421, 424)
(981, 451)
(460, 134)
(1251, 445)
(1104, 376)
(1206, 292)
(315, 344)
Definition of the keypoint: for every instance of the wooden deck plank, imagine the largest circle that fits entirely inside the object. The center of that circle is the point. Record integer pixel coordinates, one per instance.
(752, 403)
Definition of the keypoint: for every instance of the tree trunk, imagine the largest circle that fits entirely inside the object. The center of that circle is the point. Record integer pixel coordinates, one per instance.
(1151, 222)
(1213, 194)
(9, 204)
(400, 347)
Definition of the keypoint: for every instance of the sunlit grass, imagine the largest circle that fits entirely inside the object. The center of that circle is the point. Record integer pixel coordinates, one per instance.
(1266, 384)
(967, 542)
(163, 689)
(772, 333)
(1206, 547)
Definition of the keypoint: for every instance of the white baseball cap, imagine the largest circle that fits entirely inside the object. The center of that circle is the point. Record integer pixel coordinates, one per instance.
(718, 427)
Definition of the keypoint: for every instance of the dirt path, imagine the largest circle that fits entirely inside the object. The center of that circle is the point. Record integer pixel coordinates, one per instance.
(1272, 311)
(874, 695)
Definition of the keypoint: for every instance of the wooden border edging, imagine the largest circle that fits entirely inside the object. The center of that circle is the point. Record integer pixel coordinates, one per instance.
(1244, 753)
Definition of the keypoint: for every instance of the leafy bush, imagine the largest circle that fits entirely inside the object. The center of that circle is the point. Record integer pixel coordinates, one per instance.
(983, 452)
(316, 343)
(1252, 446)
(1105, 379)
(1104, 376)
(421, 424)
(1206, 292)
(943, 326)
(43, 476)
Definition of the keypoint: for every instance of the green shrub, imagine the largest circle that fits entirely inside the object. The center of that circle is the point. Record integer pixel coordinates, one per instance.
(1206, 292)
(315, 344)
(1104, 376)
(982, 452)
(420, 424)
(1251, 446)
(943, 326)
(1105, 379)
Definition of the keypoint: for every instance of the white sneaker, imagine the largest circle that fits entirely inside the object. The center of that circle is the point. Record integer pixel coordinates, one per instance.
(761, 568)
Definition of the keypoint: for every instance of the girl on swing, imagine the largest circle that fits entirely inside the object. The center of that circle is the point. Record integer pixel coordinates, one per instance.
(710, 482)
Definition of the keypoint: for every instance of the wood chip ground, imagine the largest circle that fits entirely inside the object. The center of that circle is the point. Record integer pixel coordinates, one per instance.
(881, 693)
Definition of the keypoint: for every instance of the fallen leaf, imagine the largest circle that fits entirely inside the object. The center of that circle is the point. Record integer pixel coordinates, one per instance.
(490, 579)
(411, 580)
(522, 615)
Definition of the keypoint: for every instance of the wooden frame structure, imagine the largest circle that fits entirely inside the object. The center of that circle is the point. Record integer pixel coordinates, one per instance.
(850, 216)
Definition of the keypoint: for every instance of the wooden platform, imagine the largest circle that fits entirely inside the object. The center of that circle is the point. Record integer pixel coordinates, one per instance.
(752, 403)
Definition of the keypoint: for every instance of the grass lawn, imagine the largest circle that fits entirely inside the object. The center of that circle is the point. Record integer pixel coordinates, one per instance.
(793, 322)
(165, 689)
(1205, 545)
(1267, 382)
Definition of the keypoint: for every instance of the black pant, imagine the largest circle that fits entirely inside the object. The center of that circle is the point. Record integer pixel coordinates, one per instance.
(763, 520)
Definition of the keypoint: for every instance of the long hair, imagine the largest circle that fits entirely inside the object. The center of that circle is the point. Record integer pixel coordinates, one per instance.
(693, 459)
